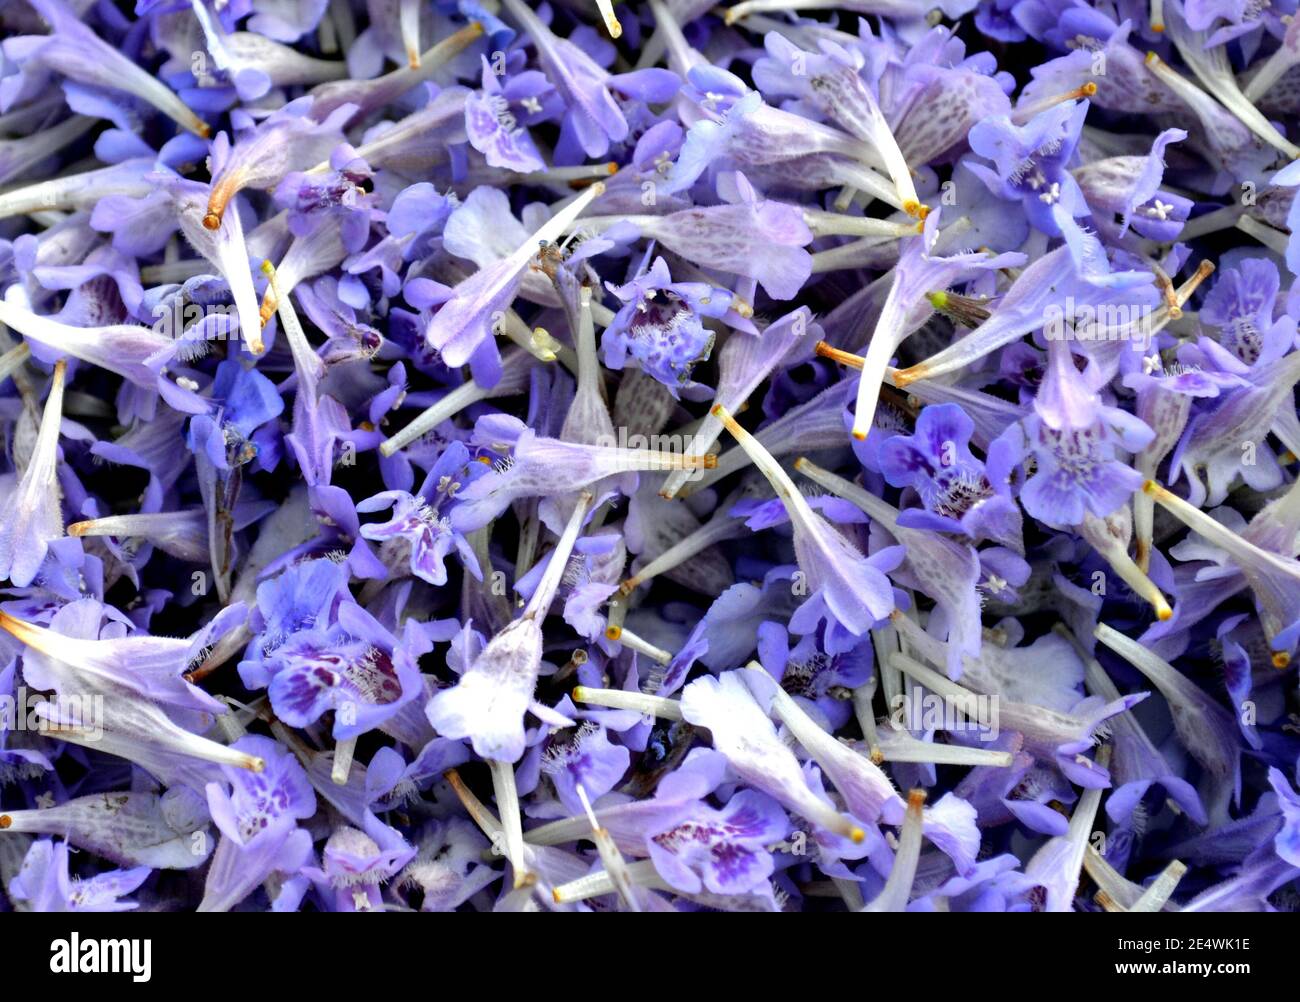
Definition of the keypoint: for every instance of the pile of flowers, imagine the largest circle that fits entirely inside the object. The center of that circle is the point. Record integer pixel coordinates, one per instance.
(519, 456)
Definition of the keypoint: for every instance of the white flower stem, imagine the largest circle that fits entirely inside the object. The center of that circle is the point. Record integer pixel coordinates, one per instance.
(795, 503)
(514, 380)
(965, 701)
(879, 509)
(559, 224)
(409, 21)
(1116, 893)
(1224, 88)
(309, 365)
(606, 9)
(899, 746)
(615, 866)
(1160, 890)
(1024, 112)
(344, 752)
(721, 527)
(474, 807)
(825, 224)
(507, 798)
(643, 647)
(888, 335)
(1098, 535)
(642, 873)
(1271, 237)
(544, 594)
(865, 713)
(622, 699)
(898, 888)
(1241, 550)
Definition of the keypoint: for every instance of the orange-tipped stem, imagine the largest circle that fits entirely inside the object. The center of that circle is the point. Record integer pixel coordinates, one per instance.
(1166, 285)
(1158, 16)
(223, 190)
(21, 630)
(578, 183)
(408, 19)
(1203, 271)
(1082, 92)
(615, 615)
(839, 355)
(480, 815)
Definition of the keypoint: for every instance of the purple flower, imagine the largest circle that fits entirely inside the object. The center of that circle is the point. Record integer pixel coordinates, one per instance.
(595, 118)
(357, 862)
(953, 485)
(289, 140)
(420, 524)
(744, 735)
(584, 758)
(847, 590)
(73, 50)
(724, 851)
(339, 192)
(660, 325)
(497, 117)
(488, 703)
(257, 816)
(1241, 307)
(44, 884)
(463, 324)
(748, 235)
(1031, 161)
(354, 667)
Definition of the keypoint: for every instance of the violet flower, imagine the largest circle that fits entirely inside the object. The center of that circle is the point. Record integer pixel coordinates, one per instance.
(257, 817)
